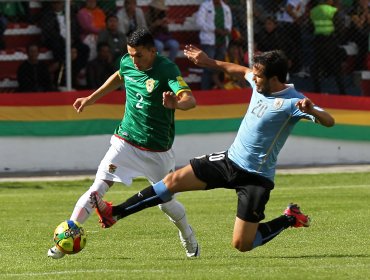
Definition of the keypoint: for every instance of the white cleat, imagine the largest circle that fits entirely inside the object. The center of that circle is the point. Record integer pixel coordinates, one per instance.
(191, 245)
(55, 253)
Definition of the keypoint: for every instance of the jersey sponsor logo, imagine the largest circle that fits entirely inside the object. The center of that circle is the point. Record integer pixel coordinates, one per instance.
(149, 85)
(181, 81)
(278, 103)
(112, 168)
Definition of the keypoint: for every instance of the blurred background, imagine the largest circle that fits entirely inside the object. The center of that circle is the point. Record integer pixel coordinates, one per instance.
(326, 41)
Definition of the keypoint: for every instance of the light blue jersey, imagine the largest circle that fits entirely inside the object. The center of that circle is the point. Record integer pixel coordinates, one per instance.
(265, 128)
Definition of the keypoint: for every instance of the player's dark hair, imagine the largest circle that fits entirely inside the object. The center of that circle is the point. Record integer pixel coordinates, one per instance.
(140, 37)
(275, 63)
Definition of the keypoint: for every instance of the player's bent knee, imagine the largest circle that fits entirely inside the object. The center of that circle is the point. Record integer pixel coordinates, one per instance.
(172, 180)
(242, 246)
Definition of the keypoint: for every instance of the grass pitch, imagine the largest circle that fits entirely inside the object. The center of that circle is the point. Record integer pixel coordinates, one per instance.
(146, 245)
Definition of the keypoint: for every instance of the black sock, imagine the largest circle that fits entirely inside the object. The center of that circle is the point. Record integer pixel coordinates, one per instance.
(143, 199)
(267, 231)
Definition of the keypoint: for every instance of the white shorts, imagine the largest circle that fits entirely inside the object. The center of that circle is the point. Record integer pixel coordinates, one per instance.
(123, 162)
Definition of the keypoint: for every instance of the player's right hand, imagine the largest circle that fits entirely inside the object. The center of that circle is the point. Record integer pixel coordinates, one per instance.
(80, 104)
(196, 55)
(170, 100)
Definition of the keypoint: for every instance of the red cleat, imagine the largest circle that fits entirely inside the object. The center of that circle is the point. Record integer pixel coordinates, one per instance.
(301, 220)
(103, 209)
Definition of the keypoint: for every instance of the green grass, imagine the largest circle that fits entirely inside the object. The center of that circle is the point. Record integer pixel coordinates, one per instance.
(146, 245)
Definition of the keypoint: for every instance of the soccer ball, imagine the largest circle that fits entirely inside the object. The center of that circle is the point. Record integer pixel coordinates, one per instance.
(70, 237)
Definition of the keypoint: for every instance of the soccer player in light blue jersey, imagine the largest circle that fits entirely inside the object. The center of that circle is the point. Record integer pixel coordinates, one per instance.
(248, 166)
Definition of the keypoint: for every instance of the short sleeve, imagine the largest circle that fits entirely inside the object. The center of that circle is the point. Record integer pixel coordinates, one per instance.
(296, 113)
(175, 80)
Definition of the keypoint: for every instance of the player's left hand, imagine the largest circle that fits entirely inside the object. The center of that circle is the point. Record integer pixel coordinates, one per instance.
(170, 100)
(305, 105)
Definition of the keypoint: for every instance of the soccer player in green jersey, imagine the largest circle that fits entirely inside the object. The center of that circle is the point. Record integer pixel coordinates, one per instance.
(142, 142)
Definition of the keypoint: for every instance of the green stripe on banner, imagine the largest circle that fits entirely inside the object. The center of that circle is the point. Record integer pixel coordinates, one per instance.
(183, 127)
(338, 132)
(58, 128)
(303, 128)
(99, 127)
(207, 126)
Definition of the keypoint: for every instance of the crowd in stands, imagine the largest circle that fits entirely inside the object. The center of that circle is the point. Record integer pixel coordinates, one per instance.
(312, 34)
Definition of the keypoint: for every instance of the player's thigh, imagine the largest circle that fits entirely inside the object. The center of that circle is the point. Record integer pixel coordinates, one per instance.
(204, 172)
(183, 180)
(120, 163)
(252, 200)
(155, 166)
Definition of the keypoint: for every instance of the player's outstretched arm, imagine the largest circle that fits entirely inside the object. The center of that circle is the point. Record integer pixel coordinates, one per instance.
(322, 117)
(200, 58)
(112, 83)
(183, 101)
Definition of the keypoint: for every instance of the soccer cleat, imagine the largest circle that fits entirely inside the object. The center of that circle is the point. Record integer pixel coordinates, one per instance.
(55, 253)
(301, 220)
(190, 244)
(103, 209)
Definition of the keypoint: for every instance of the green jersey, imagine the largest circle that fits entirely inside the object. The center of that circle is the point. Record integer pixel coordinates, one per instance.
(147, 123)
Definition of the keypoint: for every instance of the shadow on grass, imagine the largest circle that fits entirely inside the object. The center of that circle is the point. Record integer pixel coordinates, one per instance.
(20, 186)
(317, 256)
(323, 256)
(112, 258)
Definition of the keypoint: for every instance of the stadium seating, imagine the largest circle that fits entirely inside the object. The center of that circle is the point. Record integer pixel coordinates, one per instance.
(19, 35)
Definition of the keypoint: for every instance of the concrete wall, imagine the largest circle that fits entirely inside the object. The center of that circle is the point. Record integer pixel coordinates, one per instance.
(25, 154)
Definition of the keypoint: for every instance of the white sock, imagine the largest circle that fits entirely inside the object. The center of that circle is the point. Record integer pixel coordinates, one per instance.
(176, 213)
(83, 207)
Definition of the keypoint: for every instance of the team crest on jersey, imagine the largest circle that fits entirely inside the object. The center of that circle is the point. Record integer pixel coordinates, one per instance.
(181, 81)
(150, 85)
(278, 103)
(112, 168)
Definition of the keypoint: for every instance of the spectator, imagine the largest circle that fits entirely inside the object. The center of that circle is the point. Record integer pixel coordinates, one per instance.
(33, 75)
(3, 25)
(158, 25)
(234, 55)
(99, 69)
(14, 10)
(215, 22)
(238, 11)
(272, 37)
(328, 56)
(130, 17)
(78, 65)
(113, 37)
(358, 32)
(53, 32)
(92, 20)
(290, 17)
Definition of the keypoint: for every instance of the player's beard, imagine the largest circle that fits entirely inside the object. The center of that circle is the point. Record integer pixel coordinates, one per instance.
(264, 89)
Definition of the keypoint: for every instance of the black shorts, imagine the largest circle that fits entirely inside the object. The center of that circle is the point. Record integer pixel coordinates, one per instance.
(253, 190)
